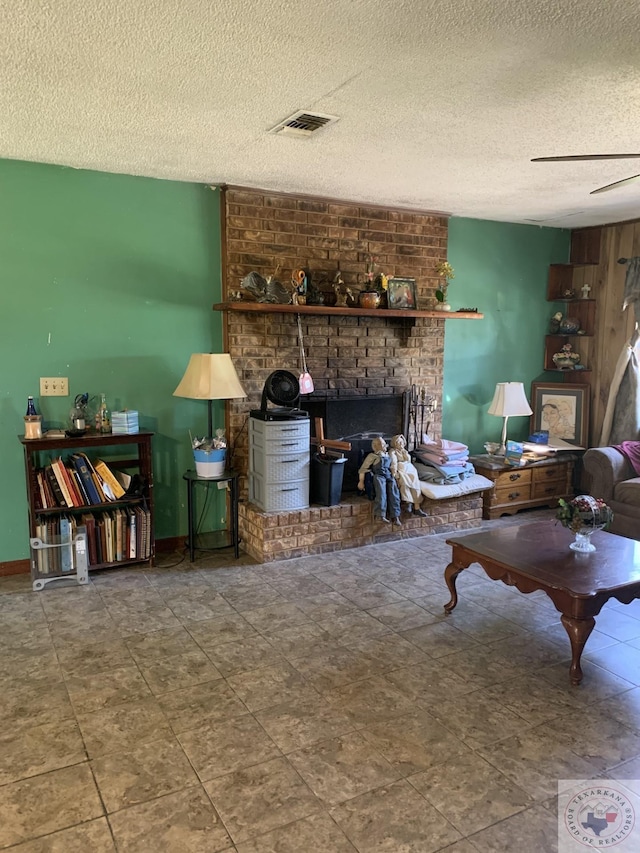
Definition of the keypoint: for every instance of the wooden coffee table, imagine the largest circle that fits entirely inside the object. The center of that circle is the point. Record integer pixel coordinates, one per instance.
(537, 556)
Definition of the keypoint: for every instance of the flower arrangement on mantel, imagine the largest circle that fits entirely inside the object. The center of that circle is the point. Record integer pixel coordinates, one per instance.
(584, 512)
(445, 271)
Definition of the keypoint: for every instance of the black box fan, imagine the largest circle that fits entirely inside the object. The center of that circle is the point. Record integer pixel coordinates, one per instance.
(282, 388)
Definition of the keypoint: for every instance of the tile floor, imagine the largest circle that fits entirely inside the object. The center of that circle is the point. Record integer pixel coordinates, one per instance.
(322, 704)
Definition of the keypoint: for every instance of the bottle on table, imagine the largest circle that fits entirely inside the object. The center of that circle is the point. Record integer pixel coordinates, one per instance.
(103, 416)
(32, 421)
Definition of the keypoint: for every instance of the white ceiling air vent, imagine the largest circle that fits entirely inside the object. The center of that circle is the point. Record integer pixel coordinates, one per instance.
(303, 123)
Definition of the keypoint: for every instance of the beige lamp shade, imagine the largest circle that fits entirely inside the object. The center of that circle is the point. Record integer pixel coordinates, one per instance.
(509, 400)
(210, 376)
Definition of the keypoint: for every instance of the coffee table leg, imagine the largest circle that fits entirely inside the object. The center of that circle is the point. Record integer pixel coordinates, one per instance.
(578, 631)
(450, 574)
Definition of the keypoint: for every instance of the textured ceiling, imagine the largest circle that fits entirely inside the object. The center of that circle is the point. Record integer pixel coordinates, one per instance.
(441, 104)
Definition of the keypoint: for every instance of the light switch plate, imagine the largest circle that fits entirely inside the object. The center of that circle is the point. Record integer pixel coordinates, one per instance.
(54, 386)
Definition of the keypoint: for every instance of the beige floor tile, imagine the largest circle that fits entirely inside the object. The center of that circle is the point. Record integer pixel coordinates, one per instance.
(529, 831)
(414, 742)
(142, 774)
(91, 658)
(112, 687)
(227, 745)
(261, 798)
(296, 724)
(47, 803)
(175, 823)
(276, 617)
(243, 655)
(317, 833)
(470, 793)
(476, 720)
(342, 768)
(369, 701)
(39, 749)
(197, 706)
(94, 836)
(121, 727)
(150, 648)
(393, 818)
(270, 685)
(179, 672)
(211, 633)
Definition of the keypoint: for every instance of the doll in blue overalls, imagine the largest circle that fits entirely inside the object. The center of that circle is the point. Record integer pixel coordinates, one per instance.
(386, 500)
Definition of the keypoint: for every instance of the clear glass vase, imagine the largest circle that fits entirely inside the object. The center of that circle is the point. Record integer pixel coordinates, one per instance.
(582, 543)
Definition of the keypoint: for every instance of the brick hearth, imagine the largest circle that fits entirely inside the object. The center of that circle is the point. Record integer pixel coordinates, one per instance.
(346, 355)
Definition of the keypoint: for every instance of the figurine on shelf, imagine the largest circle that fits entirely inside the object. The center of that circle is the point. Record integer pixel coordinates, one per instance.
(386, 496)
(406, 475)
(299, 281)
(584, 290)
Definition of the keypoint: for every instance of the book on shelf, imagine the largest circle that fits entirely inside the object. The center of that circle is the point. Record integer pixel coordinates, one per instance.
(54, 485)
(109, 478)
(89, 522)
(84, 497)
(80, 463)
(57, 466)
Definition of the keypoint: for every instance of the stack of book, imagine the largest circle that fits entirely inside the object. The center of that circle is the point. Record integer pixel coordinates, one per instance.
(125, 422)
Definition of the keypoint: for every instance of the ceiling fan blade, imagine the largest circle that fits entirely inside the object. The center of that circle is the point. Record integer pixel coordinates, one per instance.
(615, 184)
(586, 157)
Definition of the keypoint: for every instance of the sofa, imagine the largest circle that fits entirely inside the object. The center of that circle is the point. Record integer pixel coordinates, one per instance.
(613, 478)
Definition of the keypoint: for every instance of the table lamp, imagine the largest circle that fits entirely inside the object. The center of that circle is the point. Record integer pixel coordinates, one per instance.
(210, 376)
(509, 400)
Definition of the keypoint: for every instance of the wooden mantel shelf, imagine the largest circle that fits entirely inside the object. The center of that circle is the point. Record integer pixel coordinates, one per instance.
(403, 313)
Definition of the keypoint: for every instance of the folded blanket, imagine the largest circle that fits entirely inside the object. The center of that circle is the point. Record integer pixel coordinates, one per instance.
(442, 444)
(428, 456)
(631, 451)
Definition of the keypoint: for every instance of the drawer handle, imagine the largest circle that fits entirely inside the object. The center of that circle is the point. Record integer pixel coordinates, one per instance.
(514, 495)
(288, 461)
(293, 489)
(513, 477)
(289, 444)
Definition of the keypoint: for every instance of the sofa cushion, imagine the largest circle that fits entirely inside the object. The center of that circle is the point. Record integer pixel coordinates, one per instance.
(474, 483)
(628, 492)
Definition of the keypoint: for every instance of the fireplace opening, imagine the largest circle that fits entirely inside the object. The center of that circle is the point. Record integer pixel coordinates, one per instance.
(358, 420)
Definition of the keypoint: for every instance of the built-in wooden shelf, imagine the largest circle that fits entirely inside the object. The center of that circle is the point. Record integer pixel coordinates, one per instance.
(402, 313)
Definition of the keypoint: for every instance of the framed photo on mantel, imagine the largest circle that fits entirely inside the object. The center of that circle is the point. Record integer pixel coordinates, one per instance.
(401, 293)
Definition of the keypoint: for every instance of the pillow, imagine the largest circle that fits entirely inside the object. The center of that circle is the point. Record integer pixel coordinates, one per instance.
(475, 483)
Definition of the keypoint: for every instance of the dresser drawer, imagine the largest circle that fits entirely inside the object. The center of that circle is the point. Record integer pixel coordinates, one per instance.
(285, 437)
(554, 488)
(512, 477)
(515, 493)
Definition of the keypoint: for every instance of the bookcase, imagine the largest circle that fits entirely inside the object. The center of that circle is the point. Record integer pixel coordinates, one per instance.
(118, 531)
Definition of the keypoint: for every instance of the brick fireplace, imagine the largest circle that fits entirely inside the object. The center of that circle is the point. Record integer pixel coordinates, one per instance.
(347, 355)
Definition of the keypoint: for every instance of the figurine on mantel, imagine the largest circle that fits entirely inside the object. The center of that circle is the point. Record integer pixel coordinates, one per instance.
(266, 289)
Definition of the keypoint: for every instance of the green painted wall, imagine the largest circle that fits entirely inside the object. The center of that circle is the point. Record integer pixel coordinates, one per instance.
(501, 269)
(108, 280)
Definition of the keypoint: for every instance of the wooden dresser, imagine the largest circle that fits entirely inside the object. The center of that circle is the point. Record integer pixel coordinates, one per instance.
(538, 483)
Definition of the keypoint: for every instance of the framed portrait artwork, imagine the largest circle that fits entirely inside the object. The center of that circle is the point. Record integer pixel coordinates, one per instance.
(401, 293)
(562, 409)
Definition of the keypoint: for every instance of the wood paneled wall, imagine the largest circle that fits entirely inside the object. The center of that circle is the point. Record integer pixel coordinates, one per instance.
(613, 327)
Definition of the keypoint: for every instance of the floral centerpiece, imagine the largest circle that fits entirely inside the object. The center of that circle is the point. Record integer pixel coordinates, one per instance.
(445, 271)
(584, 515)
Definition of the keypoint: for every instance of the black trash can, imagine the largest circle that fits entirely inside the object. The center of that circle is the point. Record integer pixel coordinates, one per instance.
(327, 472)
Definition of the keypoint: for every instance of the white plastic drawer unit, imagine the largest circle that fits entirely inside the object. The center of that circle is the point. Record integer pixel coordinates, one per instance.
(279, 464)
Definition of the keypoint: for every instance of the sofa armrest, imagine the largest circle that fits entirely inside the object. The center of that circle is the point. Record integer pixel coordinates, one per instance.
(606, 466)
